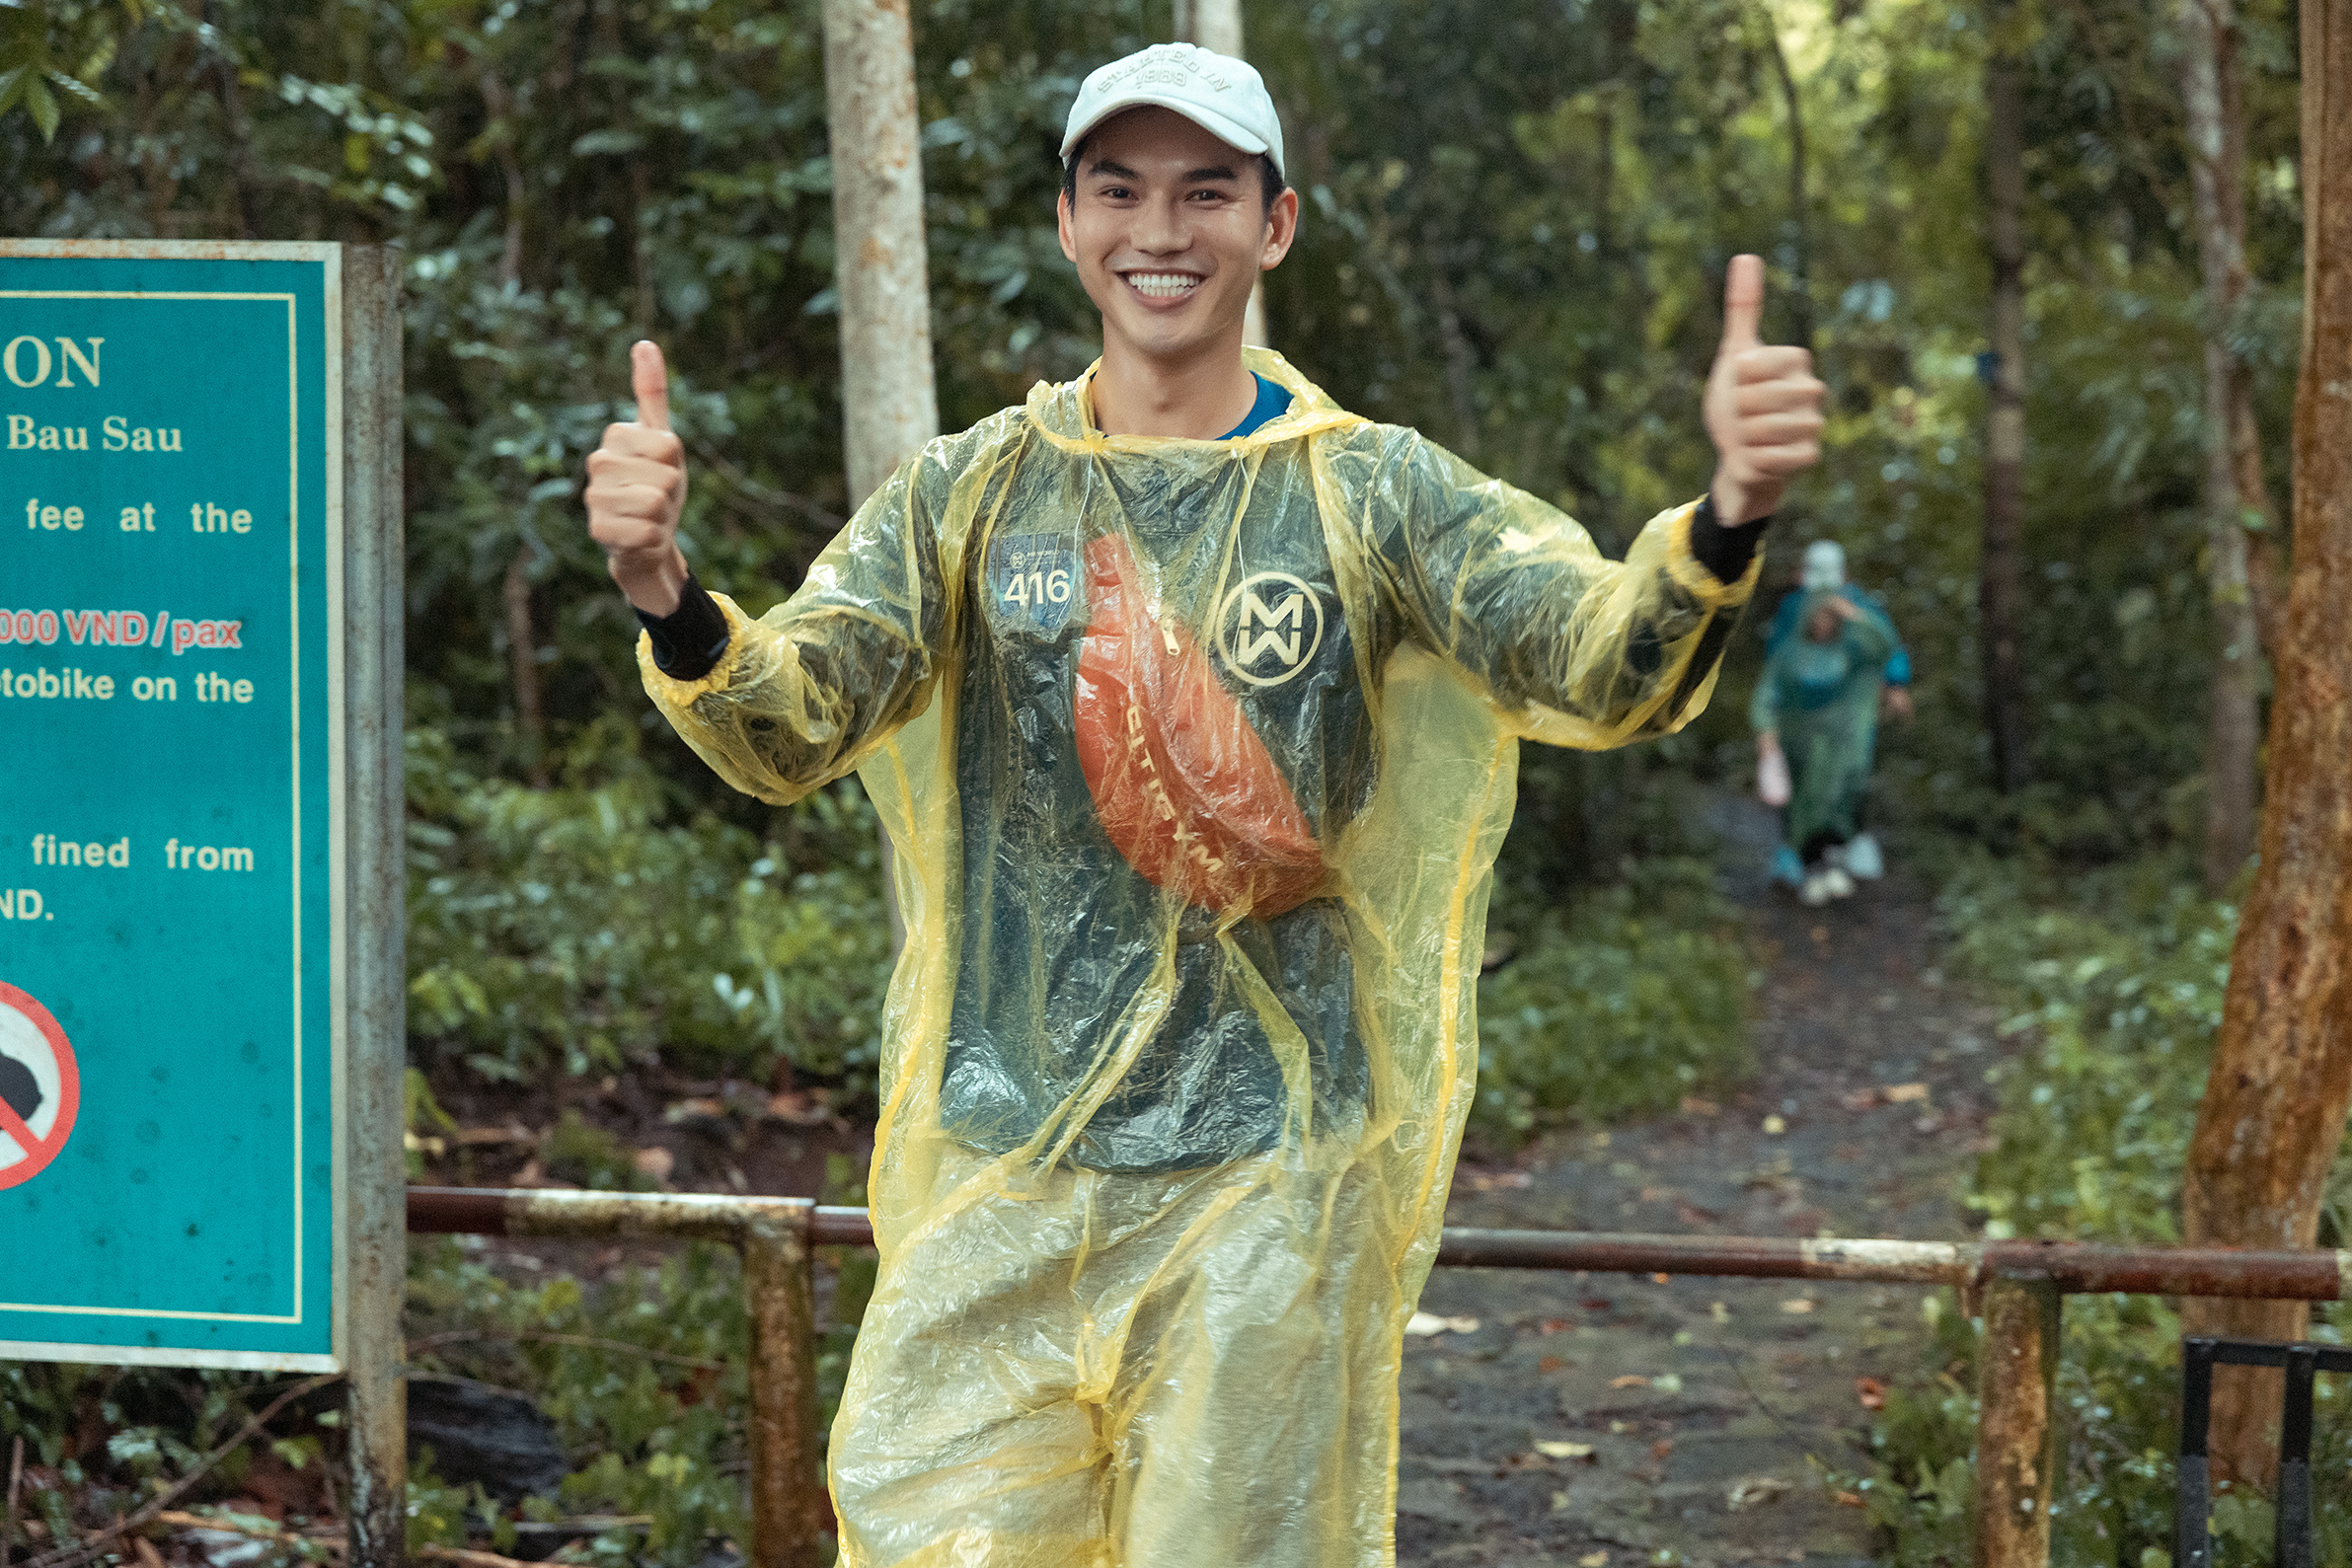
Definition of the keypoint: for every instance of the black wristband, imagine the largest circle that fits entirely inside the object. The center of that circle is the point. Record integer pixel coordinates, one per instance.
(1725, 552)
(690, 640)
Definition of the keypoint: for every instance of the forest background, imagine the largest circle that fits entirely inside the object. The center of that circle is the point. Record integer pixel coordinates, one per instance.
(1516, 221)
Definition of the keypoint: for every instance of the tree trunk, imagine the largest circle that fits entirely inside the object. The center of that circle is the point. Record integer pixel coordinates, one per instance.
(2217, 166)
(1801, 226)
(1216, 25)
(2001, 590)
(2273, 1114)
(889, 400)
(1462, 386)
(236, 130)
(889, 404)
(500, 109)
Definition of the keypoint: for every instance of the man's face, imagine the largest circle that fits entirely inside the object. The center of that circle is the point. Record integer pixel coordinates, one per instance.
(1169, 229)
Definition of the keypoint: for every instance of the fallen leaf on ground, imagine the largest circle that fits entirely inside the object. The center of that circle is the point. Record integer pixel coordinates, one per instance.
(1848, 1499)
(1660, 1448)
(1596, 1303)
(1774, 1126)
(1719, 1312)
(1871, 1393)
(1694, 1105)
(655, 1161)
(1426, 1325)
(802, 1107)
(1661, 1279)
(1631, 1380)
(1751, 1490)
(1800, 1305)
(1905, 1093)
(1862, 1100)
(1593, 1559)
(1564, 1451)
(1671, 1382)
(1552, 1325)
(1549, 1363)
(1560, 1502)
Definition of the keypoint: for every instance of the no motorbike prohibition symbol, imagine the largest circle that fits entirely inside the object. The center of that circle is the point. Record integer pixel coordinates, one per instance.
(41, 1087)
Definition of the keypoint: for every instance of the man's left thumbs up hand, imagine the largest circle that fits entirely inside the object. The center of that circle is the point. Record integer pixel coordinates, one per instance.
(1763, 405)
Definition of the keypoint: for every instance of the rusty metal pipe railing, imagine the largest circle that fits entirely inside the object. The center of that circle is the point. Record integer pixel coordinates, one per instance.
(2015, 1286)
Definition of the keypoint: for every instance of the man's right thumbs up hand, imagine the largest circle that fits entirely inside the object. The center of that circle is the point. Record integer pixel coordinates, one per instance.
(1763, 407)
(636, 487)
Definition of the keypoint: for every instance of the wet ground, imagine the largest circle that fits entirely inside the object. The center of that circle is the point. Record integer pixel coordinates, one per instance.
(1605, 1420)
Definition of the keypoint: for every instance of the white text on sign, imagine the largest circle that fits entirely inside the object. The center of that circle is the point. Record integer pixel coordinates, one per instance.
(75, 685)
(120, 628)
(203, 517)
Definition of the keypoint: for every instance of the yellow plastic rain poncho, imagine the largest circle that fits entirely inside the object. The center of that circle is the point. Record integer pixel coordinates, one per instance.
(1195, 756)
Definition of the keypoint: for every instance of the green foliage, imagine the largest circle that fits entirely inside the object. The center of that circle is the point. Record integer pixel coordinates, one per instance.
(589, 1156)
(100, 1440)
(2120, 994)
(571, 927)
(2116, 986)
(1636, 998)
(50, 52)
(643, 1374)
(1516, 219)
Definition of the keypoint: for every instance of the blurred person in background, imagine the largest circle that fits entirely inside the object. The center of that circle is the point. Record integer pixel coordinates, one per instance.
(1824, 568)
(1815, 714)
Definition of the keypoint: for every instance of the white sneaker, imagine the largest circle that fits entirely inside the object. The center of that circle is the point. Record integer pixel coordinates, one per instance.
(1863, 858)
(1816, 890)
(1839, 883)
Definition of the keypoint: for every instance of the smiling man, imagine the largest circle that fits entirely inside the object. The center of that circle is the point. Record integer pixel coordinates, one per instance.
(1190, 703)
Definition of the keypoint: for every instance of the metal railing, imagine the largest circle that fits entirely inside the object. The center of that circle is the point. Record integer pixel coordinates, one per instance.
(2015, 1286)
(2291, 1541)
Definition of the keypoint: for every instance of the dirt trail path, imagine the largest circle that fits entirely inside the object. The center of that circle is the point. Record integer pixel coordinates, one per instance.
(1745, 1378)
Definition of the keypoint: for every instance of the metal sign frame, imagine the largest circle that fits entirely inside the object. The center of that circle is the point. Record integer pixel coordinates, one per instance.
(361, 648)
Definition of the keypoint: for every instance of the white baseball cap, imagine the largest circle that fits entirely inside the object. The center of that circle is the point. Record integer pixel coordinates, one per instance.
(1223, 96)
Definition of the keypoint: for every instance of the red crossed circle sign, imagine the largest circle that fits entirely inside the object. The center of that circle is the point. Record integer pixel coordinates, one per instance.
(35, 1048)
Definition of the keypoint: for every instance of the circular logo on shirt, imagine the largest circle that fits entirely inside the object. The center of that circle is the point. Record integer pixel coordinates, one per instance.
(1270, 627)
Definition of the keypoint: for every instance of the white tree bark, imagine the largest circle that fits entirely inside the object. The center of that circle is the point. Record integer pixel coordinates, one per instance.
(1212, 24)
(889, 402)
(1216, 25)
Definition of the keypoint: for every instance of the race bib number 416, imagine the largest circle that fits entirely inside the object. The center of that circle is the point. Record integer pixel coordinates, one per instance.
(1032, 582)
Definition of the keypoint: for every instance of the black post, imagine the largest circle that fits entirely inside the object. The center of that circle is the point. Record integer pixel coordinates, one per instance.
(2192, 1510)
(2293, 1548)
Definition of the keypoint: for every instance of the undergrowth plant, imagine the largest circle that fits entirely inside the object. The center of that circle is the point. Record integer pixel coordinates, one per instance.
(2115, 986)
(1624, 1003)
(591, 926)
(641, 1371)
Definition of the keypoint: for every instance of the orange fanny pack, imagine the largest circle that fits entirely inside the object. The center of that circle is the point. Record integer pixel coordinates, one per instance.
(1182, 784)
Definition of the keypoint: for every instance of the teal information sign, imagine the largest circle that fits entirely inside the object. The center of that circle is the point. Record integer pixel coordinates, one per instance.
(172, 883)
